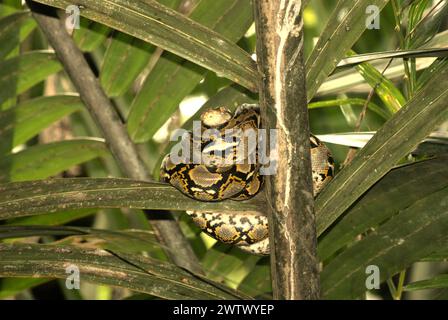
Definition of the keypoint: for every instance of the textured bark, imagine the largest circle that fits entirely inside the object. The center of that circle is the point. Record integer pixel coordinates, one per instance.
(108, 120)
(284, 107)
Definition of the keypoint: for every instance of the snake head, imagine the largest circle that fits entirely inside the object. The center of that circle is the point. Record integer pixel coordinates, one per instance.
(216, 117)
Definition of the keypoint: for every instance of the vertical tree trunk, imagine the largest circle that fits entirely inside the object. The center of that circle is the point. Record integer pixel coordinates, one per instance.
(283, 102)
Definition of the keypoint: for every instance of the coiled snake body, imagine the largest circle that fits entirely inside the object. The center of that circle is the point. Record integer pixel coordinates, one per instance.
(229, 169)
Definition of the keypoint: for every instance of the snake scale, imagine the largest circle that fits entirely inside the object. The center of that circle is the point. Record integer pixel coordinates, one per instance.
(226, 173)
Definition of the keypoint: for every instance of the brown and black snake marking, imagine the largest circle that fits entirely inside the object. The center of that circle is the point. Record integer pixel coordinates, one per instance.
(230, 176)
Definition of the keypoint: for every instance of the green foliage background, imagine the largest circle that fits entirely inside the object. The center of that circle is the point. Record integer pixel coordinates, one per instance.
(161, 64)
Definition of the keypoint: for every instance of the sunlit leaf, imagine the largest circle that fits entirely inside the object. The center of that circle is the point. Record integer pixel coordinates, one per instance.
(21, 73)
(125, 58)
(391, 96)
(45, 160)
(416, 53)
(165, 28)
(410, 125)
(172, 78)
(440, 281)
(90, 35)
(12, 286)
(339, 35)
(13, 29)
(20, 123)
(352, 101)
(428, 26)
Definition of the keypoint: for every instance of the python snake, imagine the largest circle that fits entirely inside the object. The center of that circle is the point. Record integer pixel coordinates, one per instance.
(228, 172)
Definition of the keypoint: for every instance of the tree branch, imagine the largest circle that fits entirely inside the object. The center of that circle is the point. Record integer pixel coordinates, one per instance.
(107, 119)
(283, 102)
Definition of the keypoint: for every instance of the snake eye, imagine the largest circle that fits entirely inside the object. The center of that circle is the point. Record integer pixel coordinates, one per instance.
(216, 118)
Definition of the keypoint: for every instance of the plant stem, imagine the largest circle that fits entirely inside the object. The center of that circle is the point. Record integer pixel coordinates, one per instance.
(392, 289)
(108, 121)
(294, 264)
(403, 46)
(400, 285)
(397, 291)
